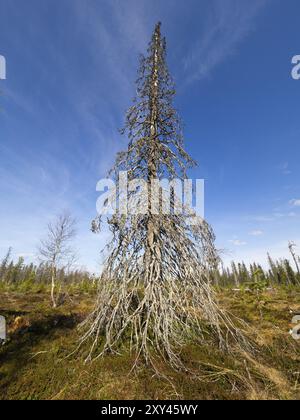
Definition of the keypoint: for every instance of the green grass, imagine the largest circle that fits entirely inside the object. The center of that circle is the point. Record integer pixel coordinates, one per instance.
(36, 361)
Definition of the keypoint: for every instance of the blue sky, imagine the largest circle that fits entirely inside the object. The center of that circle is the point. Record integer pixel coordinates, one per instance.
(71, 66)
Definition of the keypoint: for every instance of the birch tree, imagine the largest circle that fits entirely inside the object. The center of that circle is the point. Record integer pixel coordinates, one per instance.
(155, 284)
(56, 249)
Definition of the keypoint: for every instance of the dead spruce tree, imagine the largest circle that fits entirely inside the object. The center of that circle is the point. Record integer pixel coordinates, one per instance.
(154, 290)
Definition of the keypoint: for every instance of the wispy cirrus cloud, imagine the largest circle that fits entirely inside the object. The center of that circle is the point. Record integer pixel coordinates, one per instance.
(227, 25)
(237, 242)
(274, 216)
(295, 202)
(285, 168)
(256, 233)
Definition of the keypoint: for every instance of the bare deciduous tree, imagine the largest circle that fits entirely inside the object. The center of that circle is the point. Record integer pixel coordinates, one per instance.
(56, 248)
(292, 245)
(155, 285)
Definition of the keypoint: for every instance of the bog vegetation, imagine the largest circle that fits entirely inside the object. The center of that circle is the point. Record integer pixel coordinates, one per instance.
(36, 361)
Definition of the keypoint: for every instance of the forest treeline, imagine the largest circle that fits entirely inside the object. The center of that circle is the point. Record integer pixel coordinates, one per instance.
(16, 273)
(279, 272)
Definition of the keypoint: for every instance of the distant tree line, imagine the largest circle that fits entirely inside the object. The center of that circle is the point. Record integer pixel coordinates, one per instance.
(280, 272)
(17, 272)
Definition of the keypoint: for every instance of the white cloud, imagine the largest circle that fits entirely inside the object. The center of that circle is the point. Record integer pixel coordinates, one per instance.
(237, 242)
(276, 215)
(295, 202)
(256, 233)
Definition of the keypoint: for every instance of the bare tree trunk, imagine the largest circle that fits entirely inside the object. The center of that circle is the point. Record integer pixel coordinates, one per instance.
(291, 248)
(53, 281)
(153, 253)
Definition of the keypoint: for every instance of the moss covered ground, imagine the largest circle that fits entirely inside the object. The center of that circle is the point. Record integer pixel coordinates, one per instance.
(36, 362)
